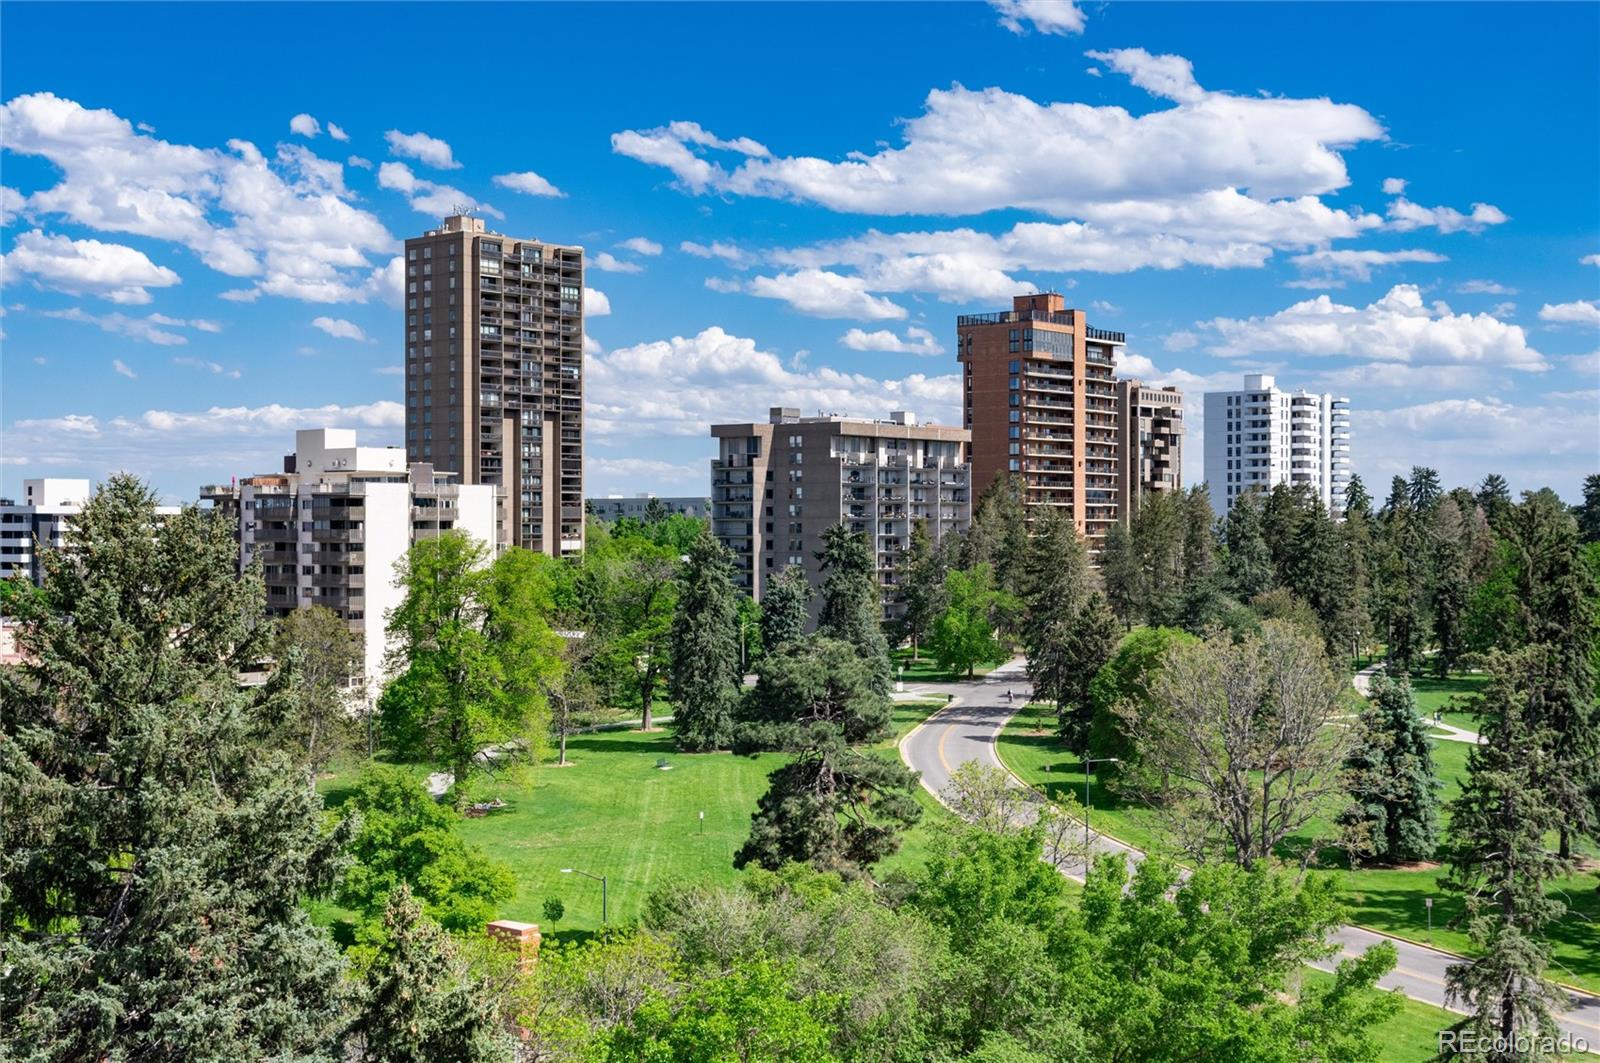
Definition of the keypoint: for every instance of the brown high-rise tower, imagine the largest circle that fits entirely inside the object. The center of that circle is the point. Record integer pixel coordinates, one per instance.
(494, 373)
(1041, 404)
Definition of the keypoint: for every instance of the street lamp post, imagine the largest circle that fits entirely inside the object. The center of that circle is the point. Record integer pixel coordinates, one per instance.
(1088, 765)
(604, 918)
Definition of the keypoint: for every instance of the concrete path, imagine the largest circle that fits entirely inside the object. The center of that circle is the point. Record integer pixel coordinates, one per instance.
(968, 729)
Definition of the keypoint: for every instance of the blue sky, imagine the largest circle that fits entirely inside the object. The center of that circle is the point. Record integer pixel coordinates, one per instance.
(791, 203)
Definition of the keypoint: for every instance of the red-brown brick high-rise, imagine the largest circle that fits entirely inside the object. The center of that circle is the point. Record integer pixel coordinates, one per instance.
(1040, 400)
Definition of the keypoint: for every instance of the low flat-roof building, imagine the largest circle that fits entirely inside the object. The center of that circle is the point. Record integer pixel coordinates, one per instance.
(615, 507)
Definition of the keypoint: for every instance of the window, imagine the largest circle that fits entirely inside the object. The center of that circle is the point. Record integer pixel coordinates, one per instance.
(1014, 416)
(1014, 367)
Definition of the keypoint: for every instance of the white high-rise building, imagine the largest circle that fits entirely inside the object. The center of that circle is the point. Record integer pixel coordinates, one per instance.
(38, 522)
(330, 527)
(1260, 437)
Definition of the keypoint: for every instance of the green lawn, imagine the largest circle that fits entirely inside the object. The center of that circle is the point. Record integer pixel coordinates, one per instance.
(1389, 900)
(926, 670)
(1411, 1035)
(613, 812)
(1449, 694)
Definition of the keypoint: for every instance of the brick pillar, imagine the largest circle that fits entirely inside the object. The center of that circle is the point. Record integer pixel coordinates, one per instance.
(523, 937)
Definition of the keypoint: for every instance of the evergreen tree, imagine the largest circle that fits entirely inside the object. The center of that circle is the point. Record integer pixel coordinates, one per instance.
(852, 603)
(154, 853)
(1203, 595)
(1356, 499)
(783, 608)
(1401, 589)
(1393, 784)
(921, 591)
(1451, 585)
(655, 511)
(1423, 488)
(421, 1004)
(1498, 862)
(706, 677)
(1086, 643)
(1494, 495)
(1284, 513)
(999, 534)
(832, 806)
(1555, 609)
(1588, 513)
(1056, 584)
(1121, 575)
(1250, 570)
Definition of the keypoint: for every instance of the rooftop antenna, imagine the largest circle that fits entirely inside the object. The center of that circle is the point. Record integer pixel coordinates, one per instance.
(463, 209)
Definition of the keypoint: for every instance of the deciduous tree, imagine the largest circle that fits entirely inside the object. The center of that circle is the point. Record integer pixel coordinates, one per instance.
(469, 644)
(320, 665)
(1245, 741)
(964, 634)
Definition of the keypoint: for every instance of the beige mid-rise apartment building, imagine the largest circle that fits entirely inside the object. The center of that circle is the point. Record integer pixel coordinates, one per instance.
(778, 486)
(1041, 403)
(1152, 443)
(494, 373)
(330, 527)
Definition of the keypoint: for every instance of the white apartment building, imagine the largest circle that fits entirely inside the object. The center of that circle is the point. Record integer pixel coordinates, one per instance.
(1260, 437)
(331, 526)
(38, 522)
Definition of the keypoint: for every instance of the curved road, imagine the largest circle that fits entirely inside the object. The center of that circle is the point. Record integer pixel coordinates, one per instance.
(967, 729)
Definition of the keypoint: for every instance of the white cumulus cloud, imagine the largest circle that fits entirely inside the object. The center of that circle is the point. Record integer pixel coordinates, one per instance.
(1396, 328)
(1060, 17)
(681, 386)
(339, 328)
(606, 262)
(425, 149)
(916, 341)
(1580, 312)
(641, 245)
(1358, 265)
(819, 293)
(286, 223)
(429, 197)
(595, 303)
(84, 267)
(528, 183)
(306, 126)
(1406, 216)
(121, 369)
